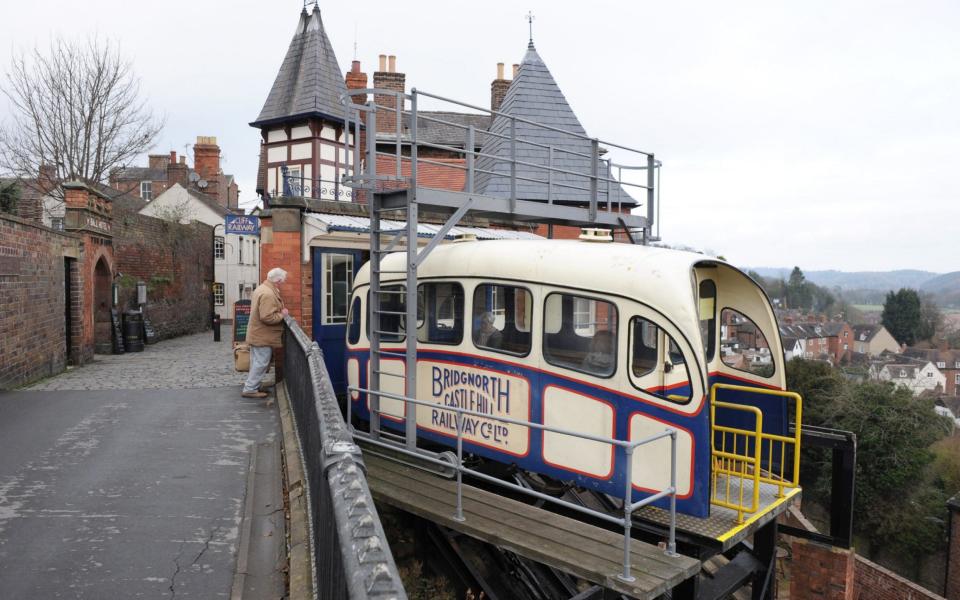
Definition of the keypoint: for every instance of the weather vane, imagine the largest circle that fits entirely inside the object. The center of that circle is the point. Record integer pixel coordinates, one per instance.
(530, 21)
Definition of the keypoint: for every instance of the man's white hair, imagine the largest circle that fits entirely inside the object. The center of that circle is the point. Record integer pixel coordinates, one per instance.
(276, 275)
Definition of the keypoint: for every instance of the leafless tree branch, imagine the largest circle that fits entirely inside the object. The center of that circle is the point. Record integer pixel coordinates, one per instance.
(76, 108)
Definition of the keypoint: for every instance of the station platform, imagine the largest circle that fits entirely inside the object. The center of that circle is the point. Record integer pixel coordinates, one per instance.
(721, 530)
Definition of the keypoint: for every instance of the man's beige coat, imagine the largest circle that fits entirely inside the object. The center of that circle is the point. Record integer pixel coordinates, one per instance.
(266, 320)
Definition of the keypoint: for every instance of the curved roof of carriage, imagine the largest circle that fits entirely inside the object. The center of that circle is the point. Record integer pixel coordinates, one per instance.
(661, 278)
(535, 96)
(310, 82)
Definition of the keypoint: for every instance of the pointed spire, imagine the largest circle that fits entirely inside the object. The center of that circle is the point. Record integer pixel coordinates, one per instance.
(535, 96)
(530, 18)
(310, 81)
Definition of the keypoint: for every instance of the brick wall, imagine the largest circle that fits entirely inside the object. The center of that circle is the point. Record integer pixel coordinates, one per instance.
(821, 572)
(32, 300)
(176, 263)
(873, 582)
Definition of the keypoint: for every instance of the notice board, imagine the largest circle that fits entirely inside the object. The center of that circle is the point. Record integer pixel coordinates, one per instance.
(241, 318)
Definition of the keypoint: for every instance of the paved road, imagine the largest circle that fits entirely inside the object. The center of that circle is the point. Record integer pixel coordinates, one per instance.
(135, 492)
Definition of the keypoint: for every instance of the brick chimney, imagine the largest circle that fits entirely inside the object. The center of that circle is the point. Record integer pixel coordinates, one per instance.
(357, 80)
(498, 89)
(47, 178)
(206, 158)
(388, 79)
(516, 70)
(158, 161)
(176, 171)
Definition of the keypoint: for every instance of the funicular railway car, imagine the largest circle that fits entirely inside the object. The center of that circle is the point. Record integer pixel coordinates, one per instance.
(616, 340)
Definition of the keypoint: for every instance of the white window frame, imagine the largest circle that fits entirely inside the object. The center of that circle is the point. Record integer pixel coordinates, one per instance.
(326, 288)
(146, 190)
(219, 294)
(219, 248)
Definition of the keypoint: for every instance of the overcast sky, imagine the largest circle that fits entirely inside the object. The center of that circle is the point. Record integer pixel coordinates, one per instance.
(823, 134)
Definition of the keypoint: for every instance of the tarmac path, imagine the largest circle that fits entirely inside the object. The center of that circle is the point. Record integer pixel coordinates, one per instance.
(127, 478)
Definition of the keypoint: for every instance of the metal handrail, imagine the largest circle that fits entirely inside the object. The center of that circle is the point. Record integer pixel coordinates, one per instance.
(762, 465)
(594, 176)
(629, 446)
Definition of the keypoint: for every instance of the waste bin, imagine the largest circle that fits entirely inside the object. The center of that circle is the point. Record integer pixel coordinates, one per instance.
(133, 331)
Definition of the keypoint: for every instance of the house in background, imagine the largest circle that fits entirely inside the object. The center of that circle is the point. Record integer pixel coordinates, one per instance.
(236, 257)
(947, 361)
(163, 171)
(918, 377)
(873, 340)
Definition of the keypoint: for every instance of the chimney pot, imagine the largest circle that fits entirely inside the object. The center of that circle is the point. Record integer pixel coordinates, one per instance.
(499, 70)
(183, 160)
(516, 70)
(383, 63)
(393, 63)
(173, 157)
(355, 67)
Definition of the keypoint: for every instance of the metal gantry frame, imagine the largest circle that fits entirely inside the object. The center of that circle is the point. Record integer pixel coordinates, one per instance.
(399, 193)
(396, 193)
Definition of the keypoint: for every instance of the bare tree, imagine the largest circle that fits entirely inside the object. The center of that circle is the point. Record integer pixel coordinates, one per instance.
(77, 109)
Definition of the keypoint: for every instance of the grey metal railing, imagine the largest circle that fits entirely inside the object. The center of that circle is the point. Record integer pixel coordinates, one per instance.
(628, 447)
(604, 180)
(297, 185)
(351, 556)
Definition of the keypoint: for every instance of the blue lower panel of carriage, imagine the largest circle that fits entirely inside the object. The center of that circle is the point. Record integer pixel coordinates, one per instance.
(333, 272)
(696, 502)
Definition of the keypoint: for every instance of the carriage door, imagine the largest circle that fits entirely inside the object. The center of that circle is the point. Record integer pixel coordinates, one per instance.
(333, 271)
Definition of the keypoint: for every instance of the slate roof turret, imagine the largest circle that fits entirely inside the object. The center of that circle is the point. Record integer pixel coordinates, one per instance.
(534, 95)
(310, 81)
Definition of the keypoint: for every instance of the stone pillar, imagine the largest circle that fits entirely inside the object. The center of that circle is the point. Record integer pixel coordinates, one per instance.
(89, 214)
(281, 237)
(821, 572)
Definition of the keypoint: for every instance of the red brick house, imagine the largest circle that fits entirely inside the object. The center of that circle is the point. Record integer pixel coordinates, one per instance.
(164, 170)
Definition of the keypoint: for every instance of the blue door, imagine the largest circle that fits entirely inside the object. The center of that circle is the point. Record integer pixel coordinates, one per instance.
(333, 271)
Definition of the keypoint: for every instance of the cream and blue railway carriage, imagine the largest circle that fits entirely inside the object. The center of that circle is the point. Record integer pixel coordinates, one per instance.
(615, 340)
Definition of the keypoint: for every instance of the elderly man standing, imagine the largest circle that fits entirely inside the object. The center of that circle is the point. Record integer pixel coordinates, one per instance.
(264, 330)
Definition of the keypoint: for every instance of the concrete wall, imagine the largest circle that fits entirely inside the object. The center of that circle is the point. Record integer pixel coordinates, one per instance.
(176, 263)
(32, 300)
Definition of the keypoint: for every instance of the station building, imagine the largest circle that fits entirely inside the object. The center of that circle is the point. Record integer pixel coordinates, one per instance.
(318, 230)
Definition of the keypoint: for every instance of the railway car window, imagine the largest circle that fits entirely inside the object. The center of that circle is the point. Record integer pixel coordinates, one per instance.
(392, 326)
(337, 282)
(645, 356)
(657, 366)
(708, 317)
(353, 331)
(501, 318)
(580, 334)
(743, 346)
(440, 313)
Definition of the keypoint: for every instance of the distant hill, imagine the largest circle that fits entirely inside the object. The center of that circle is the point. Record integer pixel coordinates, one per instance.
(858, 280)
(945, 288)
(871, 286)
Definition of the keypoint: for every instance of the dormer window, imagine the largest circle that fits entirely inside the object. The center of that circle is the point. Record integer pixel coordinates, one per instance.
(941, 365)
(903, 373)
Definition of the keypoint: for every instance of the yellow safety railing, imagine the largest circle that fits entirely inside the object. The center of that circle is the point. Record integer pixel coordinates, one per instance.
(743, 459)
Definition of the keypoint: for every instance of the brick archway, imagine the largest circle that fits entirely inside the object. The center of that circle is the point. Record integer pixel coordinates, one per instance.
(102, 303)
